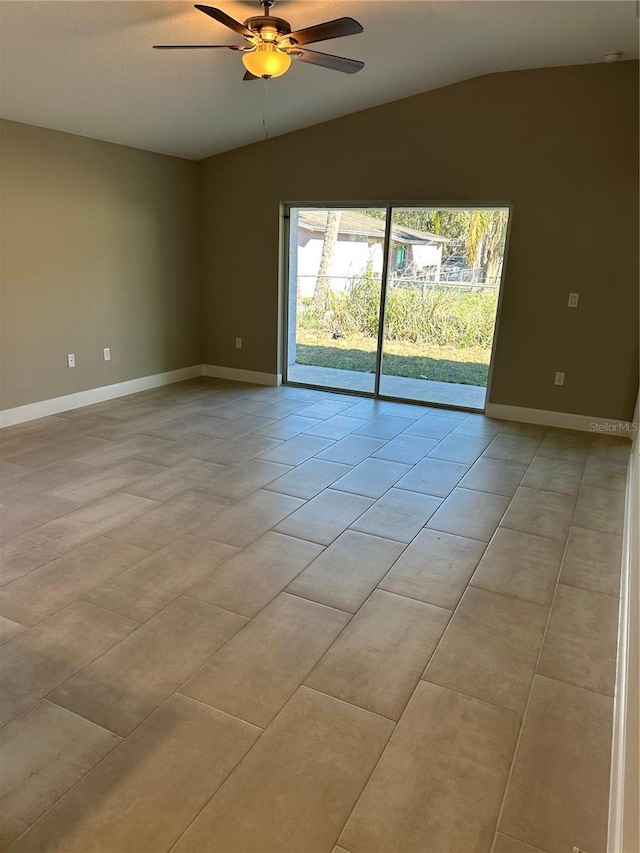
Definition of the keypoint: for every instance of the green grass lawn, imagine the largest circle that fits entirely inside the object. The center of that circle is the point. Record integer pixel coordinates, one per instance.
(469, 366)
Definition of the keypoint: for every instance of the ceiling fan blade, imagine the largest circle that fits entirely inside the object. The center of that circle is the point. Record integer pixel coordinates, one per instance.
(227, 20)
(327, 60)
(329, 30)
(199, 46)
(249, 76)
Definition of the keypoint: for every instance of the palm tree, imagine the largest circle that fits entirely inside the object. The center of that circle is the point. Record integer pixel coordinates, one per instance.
(322, 288)
(484, 244)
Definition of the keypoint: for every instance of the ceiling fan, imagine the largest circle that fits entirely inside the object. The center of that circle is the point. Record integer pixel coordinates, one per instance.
(270, 45)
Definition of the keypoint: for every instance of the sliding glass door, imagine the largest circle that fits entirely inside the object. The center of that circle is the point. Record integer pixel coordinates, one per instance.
(336, 259)
(398, 301)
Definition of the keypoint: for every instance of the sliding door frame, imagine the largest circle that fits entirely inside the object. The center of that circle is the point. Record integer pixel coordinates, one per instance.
(389, 206)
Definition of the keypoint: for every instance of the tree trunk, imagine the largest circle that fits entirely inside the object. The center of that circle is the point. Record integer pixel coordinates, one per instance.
(321, 292)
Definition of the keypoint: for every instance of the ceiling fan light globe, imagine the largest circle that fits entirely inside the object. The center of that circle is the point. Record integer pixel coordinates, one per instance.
(266, 61)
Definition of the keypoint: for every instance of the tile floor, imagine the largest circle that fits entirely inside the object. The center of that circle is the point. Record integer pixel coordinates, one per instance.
(273, 619)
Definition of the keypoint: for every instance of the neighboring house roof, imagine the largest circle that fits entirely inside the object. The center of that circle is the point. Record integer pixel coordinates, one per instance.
(363, 225)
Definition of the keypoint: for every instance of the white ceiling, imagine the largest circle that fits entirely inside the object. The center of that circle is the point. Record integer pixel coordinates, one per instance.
(88, 67)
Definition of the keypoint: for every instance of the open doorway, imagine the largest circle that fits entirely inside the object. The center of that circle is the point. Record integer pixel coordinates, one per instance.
(396, 301)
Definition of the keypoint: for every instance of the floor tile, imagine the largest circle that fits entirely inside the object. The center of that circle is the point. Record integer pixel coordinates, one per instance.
(520, 564)
(398, 514)
(239, 426)
(260, 669)
(517, 428)
(325, 409)
(571, 446)
(490, 649)
(494, 475)
(335, 428)
(149, 789)
(540, 512)
(287, 427)
(504, 844)
(352, 449)
(557, 797)
(296, 450)
(249, 580)
(282, 408)
(46, 590)
(43, 657)
(345, 574)
(407, 449)
(9, 629)
(424, 789)
(75, 528)
(468, 513)
(309, 479)
(615, 447)
(101, 482)
(385, 426)
(379, 658)
(125, 685)
(243, 480)
(371, 478)
(60, 450)
(236, 408)
(435, 568)
(433, 477)
(513, 448)
(157, 580)
(168, 483)
(325, 517)
(369, 409)
(593, 560)
(168, 521)
(554, 475)
(459, 448)
(192, 424)
(606, 473)
(600, 509)
(233, 452)
(480, 426)
(18, 557)
(16, 443)
(44, 753)
(249, 518)
(432, 426)
(117, 452)
(298, 784)
(580, 646)
(26, 515)
(33, 482)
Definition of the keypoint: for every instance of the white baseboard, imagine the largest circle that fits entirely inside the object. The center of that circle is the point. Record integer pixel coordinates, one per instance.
(562, 420)
(624, 821)
(237, 375)
(44, 408)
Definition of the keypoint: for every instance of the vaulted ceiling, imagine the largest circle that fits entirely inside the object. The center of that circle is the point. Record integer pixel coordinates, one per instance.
(89, 68)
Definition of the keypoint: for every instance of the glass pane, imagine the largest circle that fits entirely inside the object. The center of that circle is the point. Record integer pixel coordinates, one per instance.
(443, 281)
(335, 272)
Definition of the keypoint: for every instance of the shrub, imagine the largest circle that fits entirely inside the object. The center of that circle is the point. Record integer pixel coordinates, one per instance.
(434, 315)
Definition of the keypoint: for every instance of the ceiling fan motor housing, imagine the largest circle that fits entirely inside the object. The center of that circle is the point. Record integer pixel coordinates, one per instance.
(267, 27)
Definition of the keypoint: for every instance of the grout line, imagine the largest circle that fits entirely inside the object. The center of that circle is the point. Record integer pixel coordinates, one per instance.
(219, 710)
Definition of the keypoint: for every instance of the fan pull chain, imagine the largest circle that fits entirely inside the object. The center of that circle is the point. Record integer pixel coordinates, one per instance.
(265, 106)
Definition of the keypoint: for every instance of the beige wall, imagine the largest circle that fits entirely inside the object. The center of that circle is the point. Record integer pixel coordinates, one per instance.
(559, 143)
(99, 249)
